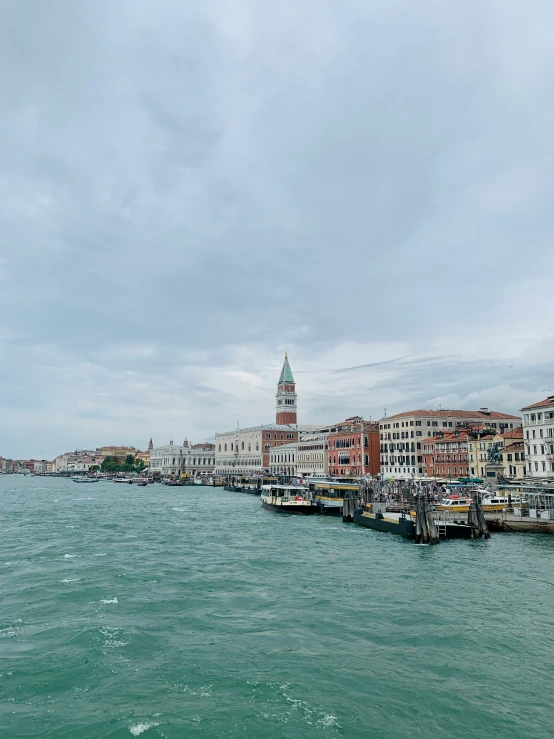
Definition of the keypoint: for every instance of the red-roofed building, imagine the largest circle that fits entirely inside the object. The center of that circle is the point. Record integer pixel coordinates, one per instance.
(345, 448)
(402, 436)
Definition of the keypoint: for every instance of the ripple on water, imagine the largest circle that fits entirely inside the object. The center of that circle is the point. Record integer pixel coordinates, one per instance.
(243, 623)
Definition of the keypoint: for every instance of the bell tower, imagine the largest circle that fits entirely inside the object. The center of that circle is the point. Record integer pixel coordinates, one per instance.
(285, 400)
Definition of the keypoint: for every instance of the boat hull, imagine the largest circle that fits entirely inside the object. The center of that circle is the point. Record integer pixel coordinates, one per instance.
(401, 526)
(299, 510)
(328, 510)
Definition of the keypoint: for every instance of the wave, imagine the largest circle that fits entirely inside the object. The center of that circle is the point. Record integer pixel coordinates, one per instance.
(101, 555)
(139, 729)
(70, 556)
(113, 600)
(71, 579)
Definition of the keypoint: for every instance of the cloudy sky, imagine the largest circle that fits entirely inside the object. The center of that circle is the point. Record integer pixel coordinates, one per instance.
(190, 189)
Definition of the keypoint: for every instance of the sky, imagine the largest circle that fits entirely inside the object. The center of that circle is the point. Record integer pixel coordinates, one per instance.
(188, 190)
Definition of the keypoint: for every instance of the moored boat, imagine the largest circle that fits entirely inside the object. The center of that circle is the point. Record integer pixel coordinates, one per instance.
(489, 502)
(287, 499)
(328, 495)
(85, 479)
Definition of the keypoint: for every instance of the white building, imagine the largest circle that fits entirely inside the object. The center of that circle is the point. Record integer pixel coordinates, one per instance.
(199, 460)
(401, 436)
(538, 435)
(282, 459)
(174, 459)
(246, 451)
(78, 461)
(313, 455)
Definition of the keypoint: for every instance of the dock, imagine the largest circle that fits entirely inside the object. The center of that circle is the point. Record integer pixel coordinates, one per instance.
(509, 522)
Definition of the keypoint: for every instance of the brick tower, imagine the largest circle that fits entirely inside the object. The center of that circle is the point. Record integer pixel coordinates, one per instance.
(285, 405)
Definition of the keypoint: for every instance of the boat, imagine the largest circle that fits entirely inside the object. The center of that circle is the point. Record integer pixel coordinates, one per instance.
(142, 483)
(85, 479)
(375, 516)
(328, 495)
(489, 502)
(287, 499)
(127, 480)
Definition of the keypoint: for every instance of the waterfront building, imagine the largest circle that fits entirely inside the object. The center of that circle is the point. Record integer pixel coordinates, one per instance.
(116, 451)
(168, 459)
(538, 430)
(347, 454)
(77, 461)
(174, 460)
(199, 459)
(401, 436)
(312, 457)
(247, 451)
(465, 453)
(283, 459)
(7, 465)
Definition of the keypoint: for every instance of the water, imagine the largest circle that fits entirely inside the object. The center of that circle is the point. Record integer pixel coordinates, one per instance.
(192, 612)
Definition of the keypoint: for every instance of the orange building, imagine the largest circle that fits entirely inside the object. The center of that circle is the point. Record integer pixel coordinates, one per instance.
(345, 448)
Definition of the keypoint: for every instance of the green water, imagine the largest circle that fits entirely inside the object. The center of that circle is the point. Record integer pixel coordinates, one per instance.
(192, 612)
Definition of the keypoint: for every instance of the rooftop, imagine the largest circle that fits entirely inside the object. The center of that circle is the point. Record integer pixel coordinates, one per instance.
(541, 404)
(514, 433)
(262, 427)
(482, 413)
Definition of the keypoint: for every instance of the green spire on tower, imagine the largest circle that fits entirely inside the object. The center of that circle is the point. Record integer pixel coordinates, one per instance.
(286, 373)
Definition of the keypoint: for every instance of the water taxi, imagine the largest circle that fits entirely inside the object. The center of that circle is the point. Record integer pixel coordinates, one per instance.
(489, 503)
(85, 479)
(328, 495)
(287, 499)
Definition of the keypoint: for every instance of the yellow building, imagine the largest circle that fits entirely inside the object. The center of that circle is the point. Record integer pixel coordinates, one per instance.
(116, 451)
(511, 448)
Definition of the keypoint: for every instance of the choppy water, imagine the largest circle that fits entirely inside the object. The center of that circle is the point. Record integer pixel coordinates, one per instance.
(184, 612)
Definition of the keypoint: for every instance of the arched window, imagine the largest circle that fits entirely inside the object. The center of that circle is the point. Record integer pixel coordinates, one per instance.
(242, 446)
(231, 446)
(225, 447)
(266, 448)
(220, 447)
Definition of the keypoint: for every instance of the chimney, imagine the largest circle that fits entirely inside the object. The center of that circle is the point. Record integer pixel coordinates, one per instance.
(485, 410)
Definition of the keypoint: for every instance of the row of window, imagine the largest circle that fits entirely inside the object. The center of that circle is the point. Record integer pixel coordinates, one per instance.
(534, 417)
(401, 459)
(445, 424)
(401, 447)
(545, 449)
(543, 466)
(549, 432)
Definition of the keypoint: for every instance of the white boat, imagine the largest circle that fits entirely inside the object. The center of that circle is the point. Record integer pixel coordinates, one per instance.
(85, 479)
(287, 499)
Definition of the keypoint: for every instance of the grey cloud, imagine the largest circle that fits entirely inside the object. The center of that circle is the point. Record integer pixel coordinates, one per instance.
(202, 177)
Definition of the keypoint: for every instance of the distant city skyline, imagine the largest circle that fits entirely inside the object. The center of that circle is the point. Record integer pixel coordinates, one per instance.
(189, 190)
